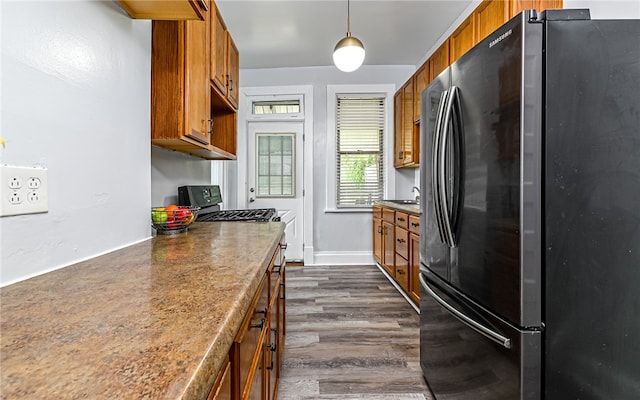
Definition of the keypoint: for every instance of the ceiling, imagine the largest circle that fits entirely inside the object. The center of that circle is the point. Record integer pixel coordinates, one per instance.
(302, 33)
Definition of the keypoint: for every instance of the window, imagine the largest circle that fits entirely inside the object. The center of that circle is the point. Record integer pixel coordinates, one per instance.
(276, 107)
(360, 123)
(275, 165)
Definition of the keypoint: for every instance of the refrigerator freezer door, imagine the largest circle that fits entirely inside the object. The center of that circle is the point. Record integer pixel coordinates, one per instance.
(459, 361)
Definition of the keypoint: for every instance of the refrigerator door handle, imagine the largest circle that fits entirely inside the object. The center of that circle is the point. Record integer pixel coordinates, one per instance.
(435, 183)
(442, 173)
(481, 329)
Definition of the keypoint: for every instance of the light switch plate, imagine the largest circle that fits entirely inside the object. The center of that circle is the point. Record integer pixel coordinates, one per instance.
(23, 190)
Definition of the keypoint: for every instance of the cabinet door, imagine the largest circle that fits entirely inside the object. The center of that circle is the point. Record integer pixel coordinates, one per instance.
(439, 60)
(377, 239)
(414, 267)
(489, 16)
(389, 247)
(398, 157)
(407, 124)
(420, 83)
(233, 72)
(462, 39)
(219, 52)
(197, 95)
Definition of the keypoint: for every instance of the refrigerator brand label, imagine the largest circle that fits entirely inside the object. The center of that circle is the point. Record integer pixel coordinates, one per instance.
(500, 38)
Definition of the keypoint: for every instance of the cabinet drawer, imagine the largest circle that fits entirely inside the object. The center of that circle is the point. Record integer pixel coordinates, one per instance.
(402, 242)
(402, 220)
(251, 335)
(388, 215)
(402, 272)
(414, 224)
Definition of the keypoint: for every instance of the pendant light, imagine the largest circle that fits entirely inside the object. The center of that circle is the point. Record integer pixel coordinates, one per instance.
(349, 52)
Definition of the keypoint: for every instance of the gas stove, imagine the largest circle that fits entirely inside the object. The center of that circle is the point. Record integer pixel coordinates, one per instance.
(208, 199)
(259, 214)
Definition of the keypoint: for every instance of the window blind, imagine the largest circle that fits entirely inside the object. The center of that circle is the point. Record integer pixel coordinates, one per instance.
(359, 151)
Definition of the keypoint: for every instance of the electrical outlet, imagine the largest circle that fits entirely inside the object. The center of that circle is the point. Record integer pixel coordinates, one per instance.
(23, 190)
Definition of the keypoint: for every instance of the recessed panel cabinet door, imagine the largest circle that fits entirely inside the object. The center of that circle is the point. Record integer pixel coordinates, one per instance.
(219, 56)
(233, 72)
(197, 97)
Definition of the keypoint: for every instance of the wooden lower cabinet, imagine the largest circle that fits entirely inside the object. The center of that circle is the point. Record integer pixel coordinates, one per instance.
(388, 255)
(253, 367)
(222, 387)
(414, 267)
(396, 237)
(377, 234)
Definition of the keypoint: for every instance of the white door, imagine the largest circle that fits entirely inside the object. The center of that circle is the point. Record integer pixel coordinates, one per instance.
(275, 176)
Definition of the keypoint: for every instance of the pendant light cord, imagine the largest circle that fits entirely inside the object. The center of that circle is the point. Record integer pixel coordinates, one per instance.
(348, 18)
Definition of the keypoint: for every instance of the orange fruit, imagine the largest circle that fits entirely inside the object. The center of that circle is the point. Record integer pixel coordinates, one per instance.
(170, 209)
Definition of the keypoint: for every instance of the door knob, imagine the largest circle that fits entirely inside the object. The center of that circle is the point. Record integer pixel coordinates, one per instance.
(251, 200)
(251, 190)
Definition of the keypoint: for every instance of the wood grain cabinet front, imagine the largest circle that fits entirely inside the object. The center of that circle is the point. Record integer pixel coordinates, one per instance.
(225, 61)
(185, 114)
(399, 247)
(165, 9)
(257, 352)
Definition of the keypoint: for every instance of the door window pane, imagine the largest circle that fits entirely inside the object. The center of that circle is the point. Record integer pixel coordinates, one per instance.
(275, 164)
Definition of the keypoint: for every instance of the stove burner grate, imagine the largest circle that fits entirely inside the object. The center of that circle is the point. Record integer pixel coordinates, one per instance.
(260, 214)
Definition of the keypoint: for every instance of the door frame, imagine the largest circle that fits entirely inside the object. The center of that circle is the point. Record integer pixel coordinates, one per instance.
(305, 92)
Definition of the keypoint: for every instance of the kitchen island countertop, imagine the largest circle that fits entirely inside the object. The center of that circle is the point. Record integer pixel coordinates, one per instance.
(152, 320)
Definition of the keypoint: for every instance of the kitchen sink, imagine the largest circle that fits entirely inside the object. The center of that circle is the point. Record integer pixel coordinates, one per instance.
(402, 201)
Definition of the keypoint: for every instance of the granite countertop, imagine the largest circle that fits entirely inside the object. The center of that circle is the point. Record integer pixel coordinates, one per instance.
(153, 320)
(408, 208)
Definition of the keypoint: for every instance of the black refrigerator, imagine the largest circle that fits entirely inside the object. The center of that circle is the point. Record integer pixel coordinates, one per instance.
(530, 229)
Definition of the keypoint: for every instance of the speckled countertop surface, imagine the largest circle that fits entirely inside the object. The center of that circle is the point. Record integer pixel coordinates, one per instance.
(409, 208)
(153, 320)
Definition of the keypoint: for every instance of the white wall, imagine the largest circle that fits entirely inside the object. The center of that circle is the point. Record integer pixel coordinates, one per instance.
(75, 99)
(170, 169)
(607, 9)
(335, 234)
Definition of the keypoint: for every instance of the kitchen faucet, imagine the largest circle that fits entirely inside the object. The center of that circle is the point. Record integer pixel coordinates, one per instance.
(416, 189)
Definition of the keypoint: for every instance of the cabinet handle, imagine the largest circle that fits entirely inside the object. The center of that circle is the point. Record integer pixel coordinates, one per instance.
(210, 126)
(400, 272)
(400, 156)
(415, 224)
(380, 229)
(261, 324)
(401, 241)
(400, 219)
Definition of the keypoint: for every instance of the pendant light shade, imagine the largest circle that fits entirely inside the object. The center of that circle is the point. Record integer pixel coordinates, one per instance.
(348, 54)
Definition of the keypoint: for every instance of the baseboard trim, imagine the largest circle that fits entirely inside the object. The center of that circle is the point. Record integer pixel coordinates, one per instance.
(341, 258)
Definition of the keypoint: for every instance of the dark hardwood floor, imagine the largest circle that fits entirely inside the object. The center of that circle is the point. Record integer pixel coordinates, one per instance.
(350, 335)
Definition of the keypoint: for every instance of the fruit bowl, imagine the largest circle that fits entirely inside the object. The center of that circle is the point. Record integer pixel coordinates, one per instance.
(172, 219)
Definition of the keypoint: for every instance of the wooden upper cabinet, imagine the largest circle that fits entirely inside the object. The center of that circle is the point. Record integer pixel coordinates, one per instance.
(519, 5)
(166, 9)
(184, 115)
(439, 60)
(219, 54)
(233, 72)
(197, 97)
(225, 65)
(489, 16)
(180, 108)
(462, 39)
(420, 82)
(406, 138)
